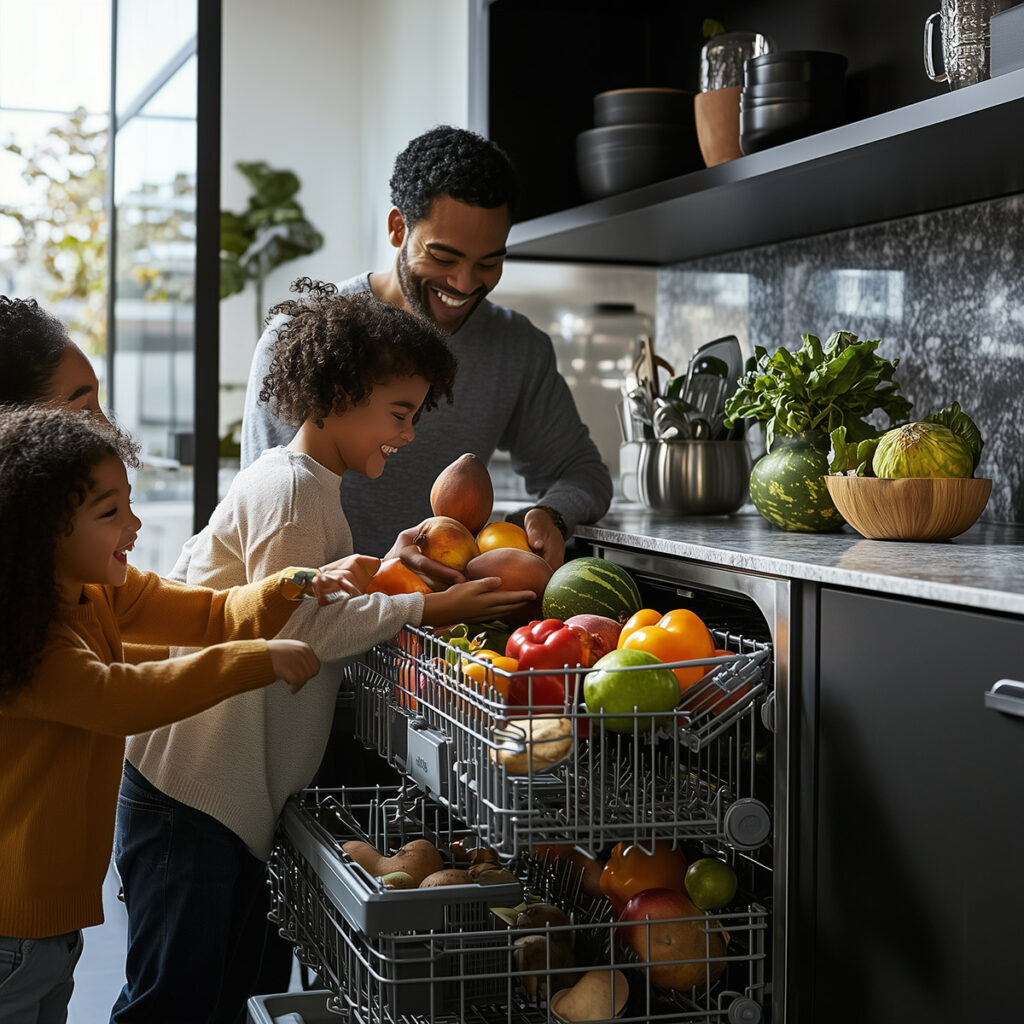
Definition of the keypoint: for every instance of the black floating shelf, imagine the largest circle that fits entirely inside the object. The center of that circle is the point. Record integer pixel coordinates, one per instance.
(953, 149)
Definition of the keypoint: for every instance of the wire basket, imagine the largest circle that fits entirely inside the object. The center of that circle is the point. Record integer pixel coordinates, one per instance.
(691, 773)
(474, 968)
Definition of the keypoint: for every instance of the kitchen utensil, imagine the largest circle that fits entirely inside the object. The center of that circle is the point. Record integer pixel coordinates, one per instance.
(728, 350)
(693, 477)
(706, 386)
(916, 508)
(966, 26)
(646, 368)
(643, 106)
(676, 418)
(723, 56)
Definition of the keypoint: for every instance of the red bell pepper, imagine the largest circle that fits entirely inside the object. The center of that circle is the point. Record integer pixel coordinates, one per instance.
(547, 644)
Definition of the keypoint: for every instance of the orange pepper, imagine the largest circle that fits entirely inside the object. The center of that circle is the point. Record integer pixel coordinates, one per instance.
(483, 677)
(644, 617)
(631, 869)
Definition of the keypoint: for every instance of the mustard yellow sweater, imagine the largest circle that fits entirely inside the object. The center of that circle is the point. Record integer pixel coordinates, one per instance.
(62, 737)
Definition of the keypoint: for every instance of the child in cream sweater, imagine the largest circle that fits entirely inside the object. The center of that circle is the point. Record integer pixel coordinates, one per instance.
(353, 374)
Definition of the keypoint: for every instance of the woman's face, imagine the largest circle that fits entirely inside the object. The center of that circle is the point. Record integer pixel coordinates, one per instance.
(74, 384)
(103, 531)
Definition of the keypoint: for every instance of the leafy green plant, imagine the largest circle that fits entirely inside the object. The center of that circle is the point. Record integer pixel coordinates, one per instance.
(62, 232)
(272, 230)
(819, 388)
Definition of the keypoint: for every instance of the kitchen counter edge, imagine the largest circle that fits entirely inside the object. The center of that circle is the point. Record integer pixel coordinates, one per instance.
(982, 568)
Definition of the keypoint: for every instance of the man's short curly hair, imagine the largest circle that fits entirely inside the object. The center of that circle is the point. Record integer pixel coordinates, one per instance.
(47, 460)
(32, 344)
(447, 161)
(334, 349)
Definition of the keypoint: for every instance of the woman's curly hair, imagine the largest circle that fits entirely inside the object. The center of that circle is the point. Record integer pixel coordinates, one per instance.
(47, 459)
(32, 344)
(334, 349)
(447, 161)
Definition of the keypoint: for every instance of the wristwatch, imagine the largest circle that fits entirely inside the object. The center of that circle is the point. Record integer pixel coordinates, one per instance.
(557, 518)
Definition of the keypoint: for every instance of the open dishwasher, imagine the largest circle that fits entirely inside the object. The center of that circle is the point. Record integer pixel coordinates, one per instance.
(707, 778)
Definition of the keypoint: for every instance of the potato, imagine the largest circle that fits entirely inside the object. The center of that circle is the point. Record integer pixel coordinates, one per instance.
(490, 874)
(534, 956)
(447, 876)
(365, 855)
(397, 880)
(540, 915)
(418, 859)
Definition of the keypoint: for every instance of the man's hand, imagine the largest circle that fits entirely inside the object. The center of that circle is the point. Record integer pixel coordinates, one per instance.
(293, 661)
(347, 577)
(439, 576)
(545, 538)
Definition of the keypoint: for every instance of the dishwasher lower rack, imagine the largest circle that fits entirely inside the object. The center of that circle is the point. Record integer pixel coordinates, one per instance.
(698, 772)
(471, 968)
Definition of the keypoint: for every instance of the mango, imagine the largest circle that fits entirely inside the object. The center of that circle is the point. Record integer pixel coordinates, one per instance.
(463, 491)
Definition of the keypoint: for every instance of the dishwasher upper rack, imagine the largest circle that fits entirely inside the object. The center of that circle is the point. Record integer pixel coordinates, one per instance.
(465, 972)
(691, 775)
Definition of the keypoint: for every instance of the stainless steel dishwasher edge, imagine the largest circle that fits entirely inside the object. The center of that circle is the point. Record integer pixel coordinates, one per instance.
(773, 596)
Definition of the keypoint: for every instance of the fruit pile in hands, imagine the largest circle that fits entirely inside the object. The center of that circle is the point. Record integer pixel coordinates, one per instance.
(587, 614)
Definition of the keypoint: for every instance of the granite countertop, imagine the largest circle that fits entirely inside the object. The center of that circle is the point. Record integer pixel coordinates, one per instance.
(982, 568)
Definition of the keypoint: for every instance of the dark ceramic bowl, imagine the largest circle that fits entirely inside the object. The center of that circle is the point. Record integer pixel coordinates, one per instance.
(775, 91)
(794, 66)
(622, 157)
(643, 106)
(772, 124)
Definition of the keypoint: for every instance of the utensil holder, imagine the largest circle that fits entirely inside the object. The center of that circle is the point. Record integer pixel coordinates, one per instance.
(693, 478)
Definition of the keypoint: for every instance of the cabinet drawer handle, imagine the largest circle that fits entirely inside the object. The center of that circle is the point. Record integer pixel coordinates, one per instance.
(1007, 696)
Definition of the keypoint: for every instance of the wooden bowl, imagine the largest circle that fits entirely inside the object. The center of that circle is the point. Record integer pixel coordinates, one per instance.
(914, 508)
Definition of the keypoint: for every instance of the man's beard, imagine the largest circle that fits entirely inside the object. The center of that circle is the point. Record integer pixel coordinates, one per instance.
(416, 293)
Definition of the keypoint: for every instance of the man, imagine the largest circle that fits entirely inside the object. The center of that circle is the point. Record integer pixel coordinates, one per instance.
(453, 194)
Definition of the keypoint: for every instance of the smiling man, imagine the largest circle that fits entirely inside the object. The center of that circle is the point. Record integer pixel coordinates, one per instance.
(453, 196)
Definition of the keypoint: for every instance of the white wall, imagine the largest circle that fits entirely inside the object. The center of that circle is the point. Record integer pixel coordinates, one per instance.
(331, 89)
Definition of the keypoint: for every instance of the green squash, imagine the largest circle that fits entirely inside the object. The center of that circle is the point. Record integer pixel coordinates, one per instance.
(922, 450)
(787, 486)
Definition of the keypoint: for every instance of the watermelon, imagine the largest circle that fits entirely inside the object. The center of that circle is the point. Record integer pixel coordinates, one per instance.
(787, 486)
(591, 586)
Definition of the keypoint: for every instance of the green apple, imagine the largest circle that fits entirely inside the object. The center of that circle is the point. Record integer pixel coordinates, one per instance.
(620, 682)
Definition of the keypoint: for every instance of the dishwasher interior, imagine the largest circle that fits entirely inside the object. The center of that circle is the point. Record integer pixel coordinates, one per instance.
(481, 785)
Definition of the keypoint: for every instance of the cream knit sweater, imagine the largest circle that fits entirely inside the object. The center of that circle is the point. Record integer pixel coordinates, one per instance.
(241, 760)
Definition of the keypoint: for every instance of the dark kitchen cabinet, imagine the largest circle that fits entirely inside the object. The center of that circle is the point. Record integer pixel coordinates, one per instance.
(913, 908)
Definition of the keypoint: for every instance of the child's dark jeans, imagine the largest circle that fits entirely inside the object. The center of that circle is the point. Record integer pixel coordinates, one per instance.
(197, 904)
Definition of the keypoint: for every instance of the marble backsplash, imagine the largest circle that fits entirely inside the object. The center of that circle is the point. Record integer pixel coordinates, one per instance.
(944, 290)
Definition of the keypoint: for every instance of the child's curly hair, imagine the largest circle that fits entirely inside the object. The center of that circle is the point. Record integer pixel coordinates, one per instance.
(335, 349)
(47, 459)
(32, 344)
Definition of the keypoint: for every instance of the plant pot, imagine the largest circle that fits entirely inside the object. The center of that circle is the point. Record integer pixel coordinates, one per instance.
(717, 114)
(787, 486)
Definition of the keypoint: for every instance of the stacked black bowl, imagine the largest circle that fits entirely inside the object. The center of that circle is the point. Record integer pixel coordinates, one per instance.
(790, 94)
(641, 136)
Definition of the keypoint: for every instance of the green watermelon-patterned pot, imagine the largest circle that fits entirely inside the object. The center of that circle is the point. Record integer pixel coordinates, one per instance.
(787, 486)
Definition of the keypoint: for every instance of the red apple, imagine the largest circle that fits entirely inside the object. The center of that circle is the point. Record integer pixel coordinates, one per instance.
(671, 928)
(606, 630)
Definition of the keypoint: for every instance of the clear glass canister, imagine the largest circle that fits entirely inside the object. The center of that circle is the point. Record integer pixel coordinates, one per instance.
(595, 348)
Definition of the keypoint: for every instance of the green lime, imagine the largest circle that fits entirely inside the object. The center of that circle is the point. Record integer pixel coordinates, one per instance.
(710, 884)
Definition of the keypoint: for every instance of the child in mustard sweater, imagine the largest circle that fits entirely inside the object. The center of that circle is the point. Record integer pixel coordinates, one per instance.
(66, 698)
